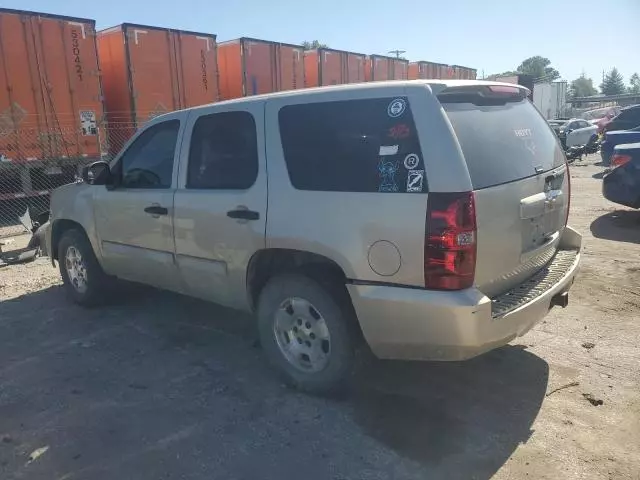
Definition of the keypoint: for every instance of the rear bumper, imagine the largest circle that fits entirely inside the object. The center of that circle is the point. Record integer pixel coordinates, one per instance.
(415, 324)
(621, 187)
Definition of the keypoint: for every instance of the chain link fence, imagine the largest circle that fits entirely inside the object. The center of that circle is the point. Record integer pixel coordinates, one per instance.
(35, 161)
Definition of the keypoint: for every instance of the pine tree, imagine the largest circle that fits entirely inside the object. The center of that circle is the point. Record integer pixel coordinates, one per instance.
(634, 83)
(613, 83)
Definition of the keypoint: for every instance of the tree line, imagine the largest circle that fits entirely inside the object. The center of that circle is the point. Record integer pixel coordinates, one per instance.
(541, 70)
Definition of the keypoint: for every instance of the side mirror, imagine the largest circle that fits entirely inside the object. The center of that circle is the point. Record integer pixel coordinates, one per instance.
(97, 173)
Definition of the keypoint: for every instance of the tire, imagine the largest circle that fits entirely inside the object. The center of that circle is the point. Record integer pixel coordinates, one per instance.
(96, 282)
(331, 372)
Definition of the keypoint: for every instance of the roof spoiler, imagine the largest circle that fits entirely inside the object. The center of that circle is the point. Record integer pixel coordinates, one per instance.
(484, 94)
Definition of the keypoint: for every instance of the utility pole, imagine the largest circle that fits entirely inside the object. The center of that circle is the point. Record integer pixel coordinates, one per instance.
(397, 53)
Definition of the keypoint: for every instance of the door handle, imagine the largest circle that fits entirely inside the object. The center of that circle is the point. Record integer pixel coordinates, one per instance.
(243, 214)
(156, 210)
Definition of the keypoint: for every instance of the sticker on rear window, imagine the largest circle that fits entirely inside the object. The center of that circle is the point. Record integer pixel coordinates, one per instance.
(387, 170)
(415, 179)
(411, 161)
(387, 150)
(397, 107)
(399, 132)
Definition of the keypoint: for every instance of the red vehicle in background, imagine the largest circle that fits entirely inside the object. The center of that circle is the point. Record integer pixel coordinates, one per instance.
(601, 116)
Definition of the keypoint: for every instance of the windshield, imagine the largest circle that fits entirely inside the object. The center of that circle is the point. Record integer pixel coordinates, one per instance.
(503, 143)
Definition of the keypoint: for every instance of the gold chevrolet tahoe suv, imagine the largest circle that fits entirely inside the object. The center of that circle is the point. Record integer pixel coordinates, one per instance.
(428, 218)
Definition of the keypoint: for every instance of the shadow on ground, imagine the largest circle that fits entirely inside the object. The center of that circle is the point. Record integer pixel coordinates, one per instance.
(167, 387)
(462, 419)
(620, 226)
(599, 175)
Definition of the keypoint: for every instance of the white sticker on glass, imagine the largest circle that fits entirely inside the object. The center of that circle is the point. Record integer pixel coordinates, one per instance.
(415, 180)
(397, 107)
(386, 150)
(411, 161)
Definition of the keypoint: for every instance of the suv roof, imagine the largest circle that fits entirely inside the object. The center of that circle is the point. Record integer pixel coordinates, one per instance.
(442, 84)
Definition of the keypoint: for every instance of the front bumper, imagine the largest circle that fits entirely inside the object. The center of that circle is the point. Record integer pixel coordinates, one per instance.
(416, 324)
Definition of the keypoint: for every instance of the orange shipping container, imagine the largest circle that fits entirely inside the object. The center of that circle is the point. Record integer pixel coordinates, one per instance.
(148, 71)
(326, 66)
(50, 97)
(250, 67)
(445, 72)
(424, 70)
(464, 73)
(387, 68)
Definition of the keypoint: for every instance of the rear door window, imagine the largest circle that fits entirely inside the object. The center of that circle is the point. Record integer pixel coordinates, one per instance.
(224, 152)
(503, 142)
(366, 145)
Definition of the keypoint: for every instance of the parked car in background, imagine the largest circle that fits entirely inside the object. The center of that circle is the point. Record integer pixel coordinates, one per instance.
(478, 255)
(622, 184)
(617, 137)
(575, 131)
(601, 116)
(628, 118)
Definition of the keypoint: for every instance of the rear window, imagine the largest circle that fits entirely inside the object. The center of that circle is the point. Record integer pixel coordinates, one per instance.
(353, 146)
(503, 143)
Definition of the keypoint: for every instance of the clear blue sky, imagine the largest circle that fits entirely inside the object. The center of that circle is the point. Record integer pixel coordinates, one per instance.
(491, 36)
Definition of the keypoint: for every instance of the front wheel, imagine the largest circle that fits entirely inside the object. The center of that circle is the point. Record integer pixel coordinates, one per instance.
(304, 331)
(82, 275)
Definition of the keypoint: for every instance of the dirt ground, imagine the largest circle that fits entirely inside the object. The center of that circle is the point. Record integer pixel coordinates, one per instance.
(161, 386)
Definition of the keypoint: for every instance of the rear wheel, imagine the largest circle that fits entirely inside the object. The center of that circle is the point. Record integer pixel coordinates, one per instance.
(84, 280)
(305, 333)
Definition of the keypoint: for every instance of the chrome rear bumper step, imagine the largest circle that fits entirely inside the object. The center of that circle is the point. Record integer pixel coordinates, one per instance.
(538, 284)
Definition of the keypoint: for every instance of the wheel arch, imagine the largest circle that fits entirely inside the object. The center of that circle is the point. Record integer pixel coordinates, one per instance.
(58, 228)
(267, 263)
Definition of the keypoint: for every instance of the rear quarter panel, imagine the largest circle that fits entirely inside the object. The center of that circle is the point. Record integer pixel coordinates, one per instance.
(343, 226)
(622, 184)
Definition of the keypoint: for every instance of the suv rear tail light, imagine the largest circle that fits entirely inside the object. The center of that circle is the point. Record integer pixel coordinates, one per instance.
(619, 160)
(450, 243)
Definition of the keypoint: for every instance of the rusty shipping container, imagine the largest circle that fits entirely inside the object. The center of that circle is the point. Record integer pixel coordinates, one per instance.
(326, 66)
(249, 66)
(464, 73)
(425, 70)
(380, 67)
(50, 97)
(148, 71)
